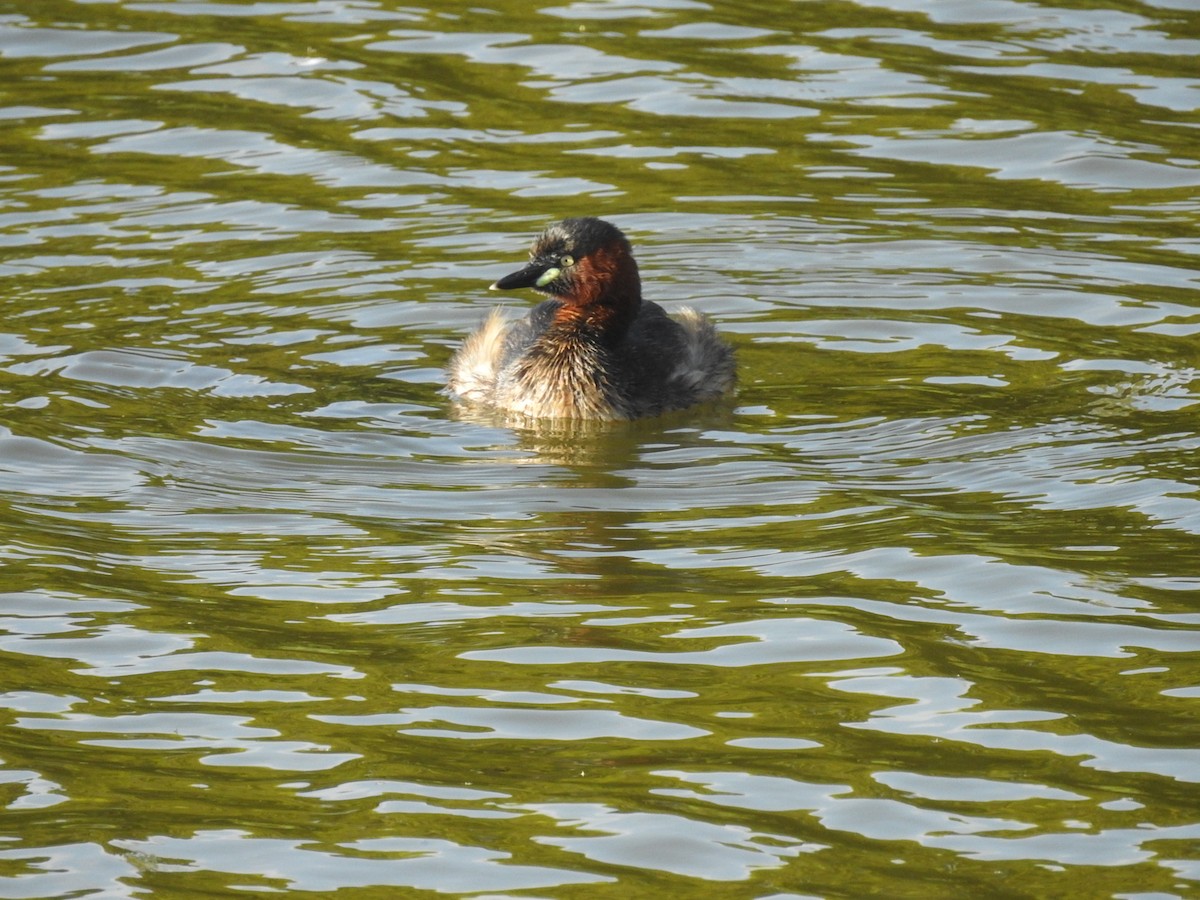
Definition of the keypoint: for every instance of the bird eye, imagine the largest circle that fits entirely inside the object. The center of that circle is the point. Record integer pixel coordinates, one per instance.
(567, 261)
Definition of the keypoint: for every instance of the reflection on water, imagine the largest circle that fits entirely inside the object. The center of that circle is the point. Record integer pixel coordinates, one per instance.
(913, 612)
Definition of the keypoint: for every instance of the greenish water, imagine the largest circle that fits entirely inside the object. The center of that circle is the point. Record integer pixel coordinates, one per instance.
(914, 615)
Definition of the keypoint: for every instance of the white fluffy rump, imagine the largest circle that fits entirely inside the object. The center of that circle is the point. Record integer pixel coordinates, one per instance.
(473, 368)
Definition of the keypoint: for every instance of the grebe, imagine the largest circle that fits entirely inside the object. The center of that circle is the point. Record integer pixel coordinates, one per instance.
(595, 349)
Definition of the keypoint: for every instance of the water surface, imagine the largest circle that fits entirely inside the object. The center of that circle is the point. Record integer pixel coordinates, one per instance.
(912, 615)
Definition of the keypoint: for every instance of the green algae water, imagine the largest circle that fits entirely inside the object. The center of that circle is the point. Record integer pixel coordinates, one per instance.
(915, 614)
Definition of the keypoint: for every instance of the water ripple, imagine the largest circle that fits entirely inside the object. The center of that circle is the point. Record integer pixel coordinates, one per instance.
(910, 612)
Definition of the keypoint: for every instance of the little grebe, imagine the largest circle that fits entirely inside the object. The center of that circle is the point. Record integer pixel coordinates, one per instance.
(595, 349)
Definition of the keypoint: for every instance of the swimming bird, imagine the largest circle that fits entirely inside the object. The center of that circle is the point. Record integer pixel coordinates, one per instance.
(595, 349)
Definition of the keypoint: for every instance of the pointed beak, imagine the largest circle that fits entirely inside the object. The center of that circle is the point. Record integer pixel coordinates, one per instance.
(528, 277)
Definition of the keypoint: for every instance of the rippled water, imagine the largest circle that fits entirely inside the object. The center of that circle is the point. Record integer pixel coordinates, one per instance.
(914, 615)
